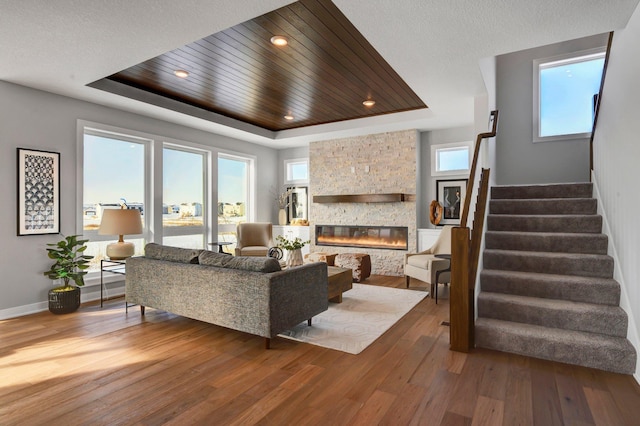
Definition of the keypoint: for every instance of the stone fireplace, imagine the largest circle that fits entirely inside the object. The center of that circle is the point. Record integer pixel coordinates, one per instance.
(369, 180)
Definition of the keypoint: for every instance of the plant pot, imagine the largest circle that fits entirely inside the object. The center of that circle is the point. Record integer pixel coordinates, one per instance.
(294, 257)
(64, 302)
(282, 217)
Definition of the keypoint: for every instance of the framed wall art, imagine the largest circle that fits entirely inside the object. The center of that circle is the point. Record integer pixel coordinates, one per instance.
(38, 192)
(450, 193)
(298, 203)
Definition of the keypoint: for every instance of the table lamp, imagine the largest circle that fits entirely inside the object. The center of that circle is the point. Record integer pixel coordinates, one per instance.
(120, 222)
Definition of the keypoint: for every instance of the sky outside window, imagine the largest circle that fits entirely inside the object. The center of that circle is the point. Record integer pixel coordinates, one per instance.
(453, 159)
(566, 97)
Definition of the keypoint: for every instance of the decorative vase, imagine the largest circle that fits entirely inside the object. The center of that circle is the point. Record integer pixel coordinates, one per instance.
(282, 217)
(64, 302)
(294, 257)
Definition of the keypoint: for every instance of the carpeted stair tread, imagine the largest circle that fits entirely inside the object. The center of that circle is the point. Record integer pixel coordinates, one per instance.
(578, 316)
(604, 291)
(545, 223)
(567, 242)
(544, 206)
(586, 265)
(593, 350)
(565, 190)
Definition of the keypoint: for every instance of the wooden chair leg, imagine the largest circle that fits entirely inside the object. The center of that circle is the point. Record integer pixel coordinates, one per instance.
(141, 310)
(309, 322)
(267, 343)
(407, 278)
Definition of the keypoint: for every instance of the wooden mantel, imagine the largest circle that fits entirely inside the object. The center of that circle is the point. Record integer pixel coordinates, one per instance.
(364, 198)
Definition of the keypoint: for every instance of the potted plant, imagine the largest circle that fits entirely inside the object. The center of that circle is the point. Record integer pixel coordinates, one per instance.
(293, 248)
(70, 264)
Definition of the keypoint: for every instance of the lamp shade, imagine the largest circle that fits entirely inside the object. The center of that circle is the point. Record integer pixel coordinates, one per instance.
(120, 222)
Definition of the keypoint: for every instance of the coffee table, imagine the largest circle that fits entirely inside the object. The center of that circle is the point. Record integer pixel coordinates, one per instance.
(340, 280)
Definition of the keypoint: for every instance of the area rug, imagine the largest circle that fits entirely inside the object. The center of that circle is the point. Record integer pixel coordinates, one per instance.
(365, 313)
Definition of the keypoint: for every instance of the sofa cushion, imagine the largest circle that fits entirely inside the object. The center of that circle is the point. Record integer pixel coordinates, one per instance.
(172, 254)
(255, 264)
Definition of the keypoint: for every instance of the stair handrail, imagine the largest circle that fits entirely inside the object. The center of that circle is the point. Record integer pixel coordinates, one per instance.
(599, 99)
(493, 116)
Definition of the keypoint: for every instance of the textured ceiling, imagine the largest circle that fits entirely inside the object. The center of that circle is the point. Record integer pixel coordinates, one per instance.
(434, 46)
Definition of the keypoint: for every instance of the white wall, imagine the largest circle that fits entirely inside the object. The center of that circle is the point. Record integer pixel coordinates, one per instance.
(616, 170)
(39, 120)
(519, 160)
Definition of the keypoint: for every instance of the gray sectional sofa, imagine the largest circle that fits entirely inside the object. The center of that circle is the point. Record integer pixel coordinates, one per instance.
(249, 294)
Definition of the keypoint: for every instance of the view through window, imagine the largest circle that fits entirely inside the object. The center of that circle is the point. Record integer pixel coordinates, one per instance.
(114, 174)
(183, 203)
(565, 95)
(234, 187)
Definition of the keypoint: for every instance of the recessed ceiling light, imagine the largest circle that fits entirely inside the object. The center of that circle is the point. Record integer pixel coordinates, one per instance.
(279, 41)
(369, 103)
(181, 73)
(288, 117)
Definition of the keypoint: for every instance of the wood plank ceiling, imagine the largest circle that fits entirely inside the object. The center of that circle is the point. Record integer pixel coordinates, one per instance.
(322, 76)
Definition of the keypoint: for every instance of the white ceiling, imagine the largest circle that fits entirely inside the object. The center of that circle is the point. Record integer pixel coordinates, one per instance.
(60, 46)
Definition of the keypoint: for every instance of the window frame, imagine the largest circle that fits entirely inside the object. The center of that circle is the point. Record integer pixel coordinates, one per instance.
(436, 148)
(250, 208)
(288, 163)
(550, 62)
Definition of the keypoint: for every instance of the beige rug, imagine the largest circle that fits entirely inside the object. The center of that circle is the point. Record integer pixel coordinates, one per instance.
(365, 313)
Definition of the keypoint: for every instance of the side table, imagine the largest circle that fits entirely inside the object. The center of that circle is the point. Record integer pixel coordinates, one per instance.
(112, 267)
(220, 245)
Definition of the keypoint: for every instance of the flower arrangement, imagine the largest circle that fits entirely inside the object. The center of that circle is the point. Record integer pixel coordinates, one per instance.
(287, 244)
(282, 200)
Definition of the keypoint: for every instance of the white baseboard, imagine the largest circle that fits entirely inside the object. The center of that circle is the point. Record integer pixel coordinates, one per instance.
(89, 293)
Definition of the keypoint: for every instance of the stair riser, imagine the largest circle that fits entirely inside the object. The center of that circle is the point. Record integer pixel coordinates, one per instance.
(585, 206)
(601, 266)
(572, 243)
(591, 321)
(607, 292)
(569, 224)
(607, 358)
(582, 190)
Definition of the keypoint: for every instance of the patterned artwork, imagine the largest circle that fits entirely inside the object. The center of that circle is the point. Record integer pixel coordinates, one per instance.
(38, 192)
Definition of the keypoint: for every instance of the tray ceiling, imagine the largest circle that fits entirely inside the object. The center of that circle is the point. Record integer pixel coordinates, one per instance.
(322, 76)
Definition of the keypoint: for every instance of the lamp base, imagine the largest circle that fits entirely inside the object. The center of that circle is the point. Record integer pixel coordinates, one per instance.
(120, 250)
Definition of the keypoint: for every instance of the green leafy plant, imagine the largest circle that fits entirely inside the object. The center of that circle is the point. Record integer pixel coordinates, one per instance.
(287, 244)
(71, 263)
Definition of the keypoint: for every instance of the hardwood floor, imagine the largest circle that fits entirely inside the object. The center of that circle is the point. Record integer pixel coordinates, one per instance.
(104, 367)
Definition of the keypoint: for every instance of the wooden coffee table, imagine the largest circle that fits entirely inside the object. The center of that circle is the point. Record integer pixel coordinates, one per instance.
(340, 280)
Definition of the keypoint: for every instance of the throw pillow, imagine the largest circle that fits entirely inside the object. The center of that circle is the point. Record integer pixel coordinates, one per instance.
(246, 263)
(172, 254)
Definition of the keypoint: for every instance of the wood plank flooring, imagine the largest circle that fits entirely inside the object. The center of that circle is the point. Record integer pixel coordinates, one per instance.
(104, 367)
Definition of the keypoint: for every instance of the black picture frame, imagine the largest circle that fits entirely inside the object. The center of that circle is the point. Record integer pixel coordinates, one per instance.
(298, 203)
(38, 183)
(450, 193)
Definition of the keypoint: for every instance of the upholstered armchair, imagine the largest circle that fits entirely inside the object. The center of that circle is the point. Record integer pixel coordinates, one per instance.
(423, 266)
(254, 238)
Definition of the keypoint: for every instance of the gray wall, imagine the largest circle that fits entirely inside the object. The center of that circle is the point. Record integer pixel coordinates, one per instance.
(39, 120)
(427, 189)
(518, 159)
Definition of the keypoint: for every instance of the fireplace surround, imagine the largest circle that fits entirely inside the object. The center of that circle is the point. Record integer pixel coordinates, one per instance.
(376, 237)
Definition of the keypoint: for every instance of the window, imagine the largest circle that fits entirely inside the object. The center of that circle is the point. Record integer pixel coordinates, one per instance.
(296, 171)
(235, 188)
(183, 202)
(451, 158)
(565, 88)
(114, 169)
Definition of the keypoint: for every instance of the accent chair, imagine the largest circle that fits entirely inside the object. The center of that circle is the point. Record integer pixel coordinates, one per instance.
(424, 266)
(254, 238)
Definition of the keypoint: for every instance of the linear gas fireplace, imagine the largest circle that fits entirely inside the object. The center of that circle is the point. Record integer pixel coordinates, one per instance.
(379, 237)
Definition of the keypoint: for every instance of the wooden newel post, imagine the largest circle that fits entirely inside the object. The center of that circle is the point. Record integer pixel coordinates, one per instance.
(461, 299)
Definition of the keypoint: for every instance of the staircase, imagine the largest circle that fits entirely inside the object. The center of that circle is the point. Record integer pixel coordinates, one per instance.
(547, 284)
